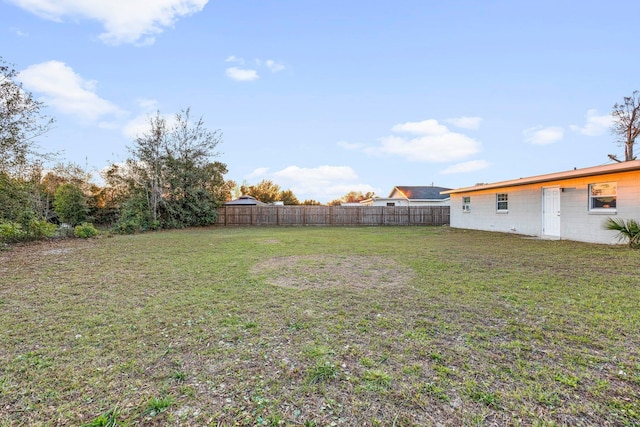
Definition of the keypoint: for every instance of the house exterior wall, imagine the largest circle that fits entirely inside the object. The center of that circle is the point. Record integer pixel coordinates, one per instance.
(525, 214)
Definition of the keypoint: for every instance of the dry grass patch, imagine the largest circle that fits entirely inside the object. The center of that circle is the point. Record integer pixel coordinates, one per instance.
(333, 271)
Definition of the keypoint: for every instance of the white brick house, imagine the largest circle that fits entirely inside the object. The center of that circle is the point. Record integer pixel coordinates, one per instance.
(571, 205)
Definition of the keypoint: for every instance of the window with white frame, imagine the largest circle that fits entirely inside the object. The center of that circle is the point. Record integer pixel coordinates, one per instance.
(466, 204)
(602, 196)
(502, 202)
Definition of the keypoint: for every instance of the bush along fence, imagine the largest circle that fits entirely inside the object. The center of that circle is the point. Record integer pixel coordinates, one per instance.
(332, 215)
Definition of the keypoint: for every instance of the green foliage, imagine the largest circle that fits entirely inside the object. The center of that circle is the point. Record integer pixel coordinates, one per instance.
(170, 180)
(70, 204)
(134, 215)
(480, 394)
(85, 230)
(157, 405)
(322, 372)
(11, 232)
(628, 230)
(20, 122)
(107, 419)
(38, 229)
(13, 197)
(377, 379)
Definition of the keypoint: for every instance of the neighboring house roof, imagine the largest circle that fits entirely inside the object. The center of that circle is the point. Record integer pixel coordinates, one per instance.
(244, 200)
(420, 193)
(575, 173)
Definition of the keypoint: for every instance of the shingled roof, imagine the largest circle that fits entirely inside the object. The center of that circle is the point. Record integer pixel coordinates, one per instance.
(246, 201)
(421, 193)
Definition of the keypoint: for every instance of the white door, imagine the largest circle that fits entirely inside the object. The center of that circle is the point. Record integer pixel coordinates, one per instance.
(551, 212)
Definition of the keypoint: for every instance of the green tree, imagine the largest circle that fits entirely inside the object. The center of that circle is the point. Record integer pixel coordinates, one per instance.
(170, 179)
(21, 122)
(626, 124)
(70, 204)
(311, 202)
(149, 162)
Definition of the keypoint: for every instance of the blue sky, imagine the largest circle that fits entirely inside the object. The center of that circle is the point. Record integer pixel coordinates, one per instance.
(325, 97)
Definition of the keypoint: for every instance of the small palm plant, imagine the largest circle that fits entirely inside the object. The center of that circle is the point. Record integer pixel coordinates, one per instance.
(627, 230)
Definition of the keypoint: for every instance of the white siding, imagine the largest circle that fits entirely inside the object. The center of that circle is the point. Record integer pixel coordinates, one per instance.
(525, 208)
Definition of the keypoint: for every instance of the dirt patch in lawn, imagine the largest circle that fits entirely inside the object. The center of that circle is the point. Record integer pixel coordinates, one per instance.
(333, 271)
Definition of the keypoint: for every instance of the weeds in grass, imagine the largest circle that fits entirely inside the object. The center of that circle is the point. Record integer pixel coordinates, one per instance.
(322, 372)
(480, 394)
(157, 405)
(107, 419)
(250, 325)
(367, 362)
(437, 391)
(318, 351)
(570, 380)
(179, 376)
(377, 380)
(296, 325)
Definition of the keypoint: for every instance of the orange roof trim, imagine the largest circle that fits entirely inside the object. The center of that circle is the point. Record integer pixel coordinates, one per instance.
(575, 173)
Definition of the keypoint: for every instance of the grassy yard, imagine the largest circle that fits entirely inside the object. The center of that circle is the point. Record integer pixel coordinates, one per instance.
(389, 326)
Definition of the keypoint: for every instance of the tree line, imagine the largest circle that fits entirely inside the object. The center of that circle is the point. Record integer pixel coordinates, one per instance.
(171, 178)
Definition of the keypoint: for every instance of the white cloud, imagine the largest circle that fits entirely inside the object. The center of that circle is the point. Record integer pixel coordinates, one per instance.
(350, 145)
(136, 127)
(471, 123)
(434, 143)
(425, 127)
(246, 74)
(148, 104)
(242, 75)
(595, 125)
(139, 125)
(124, 21)
(323, 174)
(322, 183)
(273, 66)
(18, 32)
(258, 173)
(471, 166)
(543, 135)
(67, 91)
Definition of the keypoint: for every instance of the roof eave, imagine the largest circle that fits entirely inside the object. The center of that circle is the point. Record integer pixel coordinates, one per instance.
(576, 173)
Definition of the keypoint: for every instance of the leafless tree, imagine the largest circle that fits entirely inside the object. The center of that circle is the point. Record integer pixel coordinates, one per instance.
(626, 126)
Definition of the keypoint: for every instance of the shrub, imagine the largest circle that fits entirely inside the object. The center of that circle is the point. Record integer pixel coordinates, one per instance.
(11, 232)
(70, 204)
(85, 230)
(130, 226)
(627, 230)
(38, 229)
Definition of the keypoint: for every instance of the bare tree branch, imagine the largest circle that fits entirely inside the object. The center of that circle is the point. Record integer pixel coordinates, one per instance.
(627, 123)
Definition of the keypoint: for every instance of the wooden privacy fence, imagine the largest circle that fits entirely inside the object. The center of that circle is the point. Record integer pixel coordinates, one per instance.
(333, 215)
